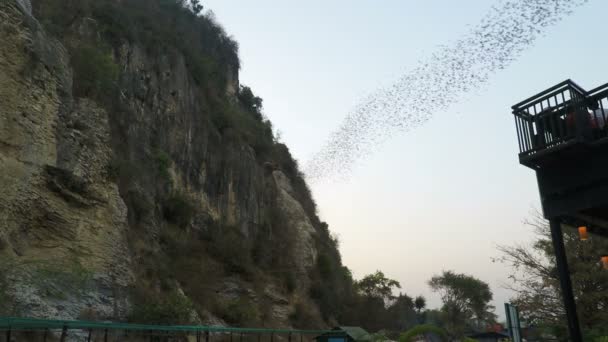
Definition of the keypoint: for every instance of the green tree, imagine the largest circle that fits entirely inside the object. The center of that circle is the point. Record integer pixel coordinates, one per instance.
(465, 301)
(536, 284)
(170, 309)
(378, 286)
(250, 102)
(95, 72)
(196, 6)
(419, 305)
(422, 330)
(401, 313)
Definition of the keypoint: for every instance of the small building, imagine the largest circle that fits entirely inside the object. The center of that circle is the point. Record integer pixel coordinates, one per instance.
(489, 337)
(344, 334)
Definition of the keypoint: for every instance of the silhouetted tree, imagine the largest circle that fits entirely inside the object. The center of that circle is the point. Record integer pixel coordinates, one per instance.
(196, 6)
(536, 283)
(465, 301)
(378, 286)
(419, 305)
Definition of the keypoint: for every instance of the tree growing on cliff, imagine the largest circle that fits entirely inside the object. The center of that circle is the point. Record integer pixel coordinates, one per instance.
(250, 101)
(196, 6)
(95, 73)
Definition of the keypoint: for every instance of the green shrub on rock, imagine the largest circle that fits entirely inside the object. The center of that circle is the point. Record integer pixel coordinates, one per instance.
(178, 209)
(164, 310)
(95, 72)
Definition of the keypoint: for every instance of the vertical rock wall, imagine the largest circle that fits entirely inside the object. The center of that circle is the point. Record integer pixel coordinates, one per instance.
(67, 225)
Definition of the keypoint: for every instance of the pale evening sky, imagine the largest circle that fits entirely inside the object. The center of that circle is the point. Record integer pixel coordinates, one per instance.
(444, 195)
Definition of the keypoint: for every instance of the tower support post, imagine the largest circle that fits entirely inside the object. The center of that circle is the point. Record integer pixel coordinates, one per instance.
(564, 279)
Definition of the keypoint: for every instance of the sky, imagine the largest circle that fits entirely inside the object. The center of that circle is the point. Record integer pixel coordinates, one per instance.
(443, 196)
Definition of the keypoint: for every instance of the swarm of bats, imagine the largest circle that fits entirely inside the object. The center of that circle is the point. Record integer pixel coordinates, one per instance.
(437, 82)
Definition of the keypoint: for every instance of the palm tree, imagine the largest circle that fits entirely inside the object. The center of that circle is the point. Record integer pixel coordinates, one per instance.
(419, 305)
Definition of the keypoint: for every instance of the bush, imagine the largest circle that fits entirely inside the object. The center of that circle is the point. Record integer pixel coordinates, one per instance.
(303, 317)
(178, 209)
(243, 127)
(411, 334)
(170, 310)
(250, 102)
(289, 280)
(228, 246)
(120, 169)
(95, 72)
(240, 312)
(324, 266)
(163, 163)
(379, 337)
(139, 205)
(204, 69)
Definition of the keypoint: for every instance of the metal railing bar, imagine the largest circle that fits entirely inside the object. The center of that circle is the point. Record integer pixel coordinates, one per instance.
(597, 89)
(542, 93)
(33, 323)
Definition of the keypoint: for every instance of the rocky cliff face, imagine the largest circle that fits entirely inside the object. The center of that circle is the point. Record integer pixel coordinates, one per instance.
(109, 201)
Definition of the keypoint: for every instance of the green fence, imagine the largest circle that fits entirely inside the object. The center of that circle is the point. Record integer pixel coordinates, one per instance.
(96, 331)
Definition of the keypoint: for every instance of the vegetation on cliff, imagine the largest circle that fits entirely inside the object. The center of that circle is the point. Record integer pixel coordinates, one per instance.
(196, 249)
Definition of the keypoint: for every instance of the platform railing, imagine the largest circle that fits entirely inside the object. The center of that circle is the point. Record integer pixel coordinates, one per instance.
(597, 102)
(62, 330)
(550, 118)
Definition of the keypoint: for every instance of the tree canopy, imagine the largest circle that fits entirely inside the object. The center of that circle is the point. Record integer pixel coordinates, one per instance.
(376, 285)
(536, 283)
(413, 334)
(465, 301)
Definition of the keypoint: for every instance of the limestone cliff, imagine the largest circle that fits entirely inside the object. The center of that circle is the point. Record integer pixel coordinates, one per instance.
(163, 192)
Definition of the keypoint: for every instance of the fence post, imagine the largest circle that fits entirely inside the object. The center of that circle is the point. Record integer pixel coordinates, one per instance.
(289, 337)
(89, 337)
(8, 334)
(206, 335)
(105, 335)
(64, 333)
(272, 337)
(46, 332)
(241, 338)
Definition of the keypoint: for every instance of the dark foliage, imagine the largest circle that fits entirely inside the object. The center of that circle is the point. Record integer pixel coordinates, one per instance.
(178, 209)
(250, 102)
(169, 309)
(157, 25)
(95, 73)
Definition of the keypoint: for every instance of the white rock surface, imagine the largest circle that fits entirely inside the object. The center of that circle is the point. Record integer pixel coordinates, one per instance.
(26, 5)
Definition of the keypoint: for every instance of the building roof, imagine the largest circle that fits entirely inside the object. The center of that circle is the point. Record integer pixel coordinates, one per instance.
(489, 334)
(355, 333)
